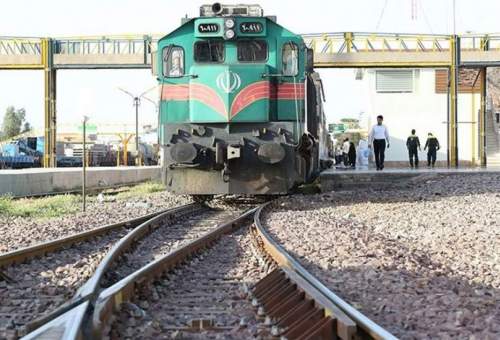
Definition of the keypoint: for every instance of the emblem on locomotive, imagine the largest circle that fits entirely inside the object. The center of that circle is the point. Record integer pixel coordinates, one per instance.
(228, 81)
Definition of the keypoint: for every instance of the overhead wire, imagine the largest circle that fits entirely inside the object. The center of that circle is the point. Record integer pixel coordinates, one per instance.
(425, 16)
(381, 16)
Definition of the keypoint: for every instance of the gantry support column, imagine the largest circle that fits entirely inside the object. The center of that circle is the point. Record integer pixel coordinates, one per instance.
(482, 110)
(348, 36)
(453, 109)
(482, 118)
(49, 156)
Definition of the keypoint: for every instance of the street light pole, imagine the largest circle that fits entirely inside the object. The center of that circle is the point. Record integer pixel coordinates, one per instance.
(137, 103)
(84, 161)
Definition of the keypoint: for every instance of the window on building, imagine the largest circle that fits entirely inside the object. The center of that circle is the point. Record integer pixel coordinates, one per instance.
(173, 61)
(290, 59)
(395, 80)
(209, 51)
(252, 50)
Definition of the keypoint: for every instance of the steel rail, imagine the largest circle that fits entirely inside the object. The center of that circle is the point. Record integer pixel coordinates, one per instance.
(281, 256)
(40, 249)
(350, 323)
(89, 291)
(123, 290)
(91, 287)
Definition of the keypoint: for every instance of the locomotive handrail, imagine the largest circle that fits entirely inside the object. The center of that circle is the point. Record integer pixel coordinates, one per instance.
(272, 75)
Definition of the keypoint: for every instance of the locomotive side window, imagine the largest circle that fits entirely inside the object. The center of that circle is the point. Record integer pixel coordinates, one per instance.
(173, 61)
(252, 50)
(209, 51)
(290, 56)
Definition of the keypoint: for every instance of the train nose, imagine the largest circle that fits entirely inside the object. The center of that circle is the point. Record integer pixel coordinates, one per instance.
(223, 93)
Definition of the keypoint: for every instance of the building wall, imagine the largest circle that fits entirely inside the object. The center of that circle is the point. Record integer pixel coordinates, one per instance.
(423, 110)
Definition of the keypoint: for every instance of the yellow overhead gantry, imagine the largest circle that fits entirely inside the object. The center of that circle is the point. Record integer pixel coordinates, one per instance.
(331, 50)
(50, 55)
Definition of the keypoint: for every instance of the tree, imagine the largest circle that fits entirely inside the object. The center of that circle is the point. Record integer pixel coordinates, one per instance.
(26, 127)
(12, 122)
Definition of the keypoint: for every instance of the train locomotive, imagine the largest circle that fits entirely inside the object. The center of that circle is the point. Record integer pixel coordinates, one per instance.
(240, 105)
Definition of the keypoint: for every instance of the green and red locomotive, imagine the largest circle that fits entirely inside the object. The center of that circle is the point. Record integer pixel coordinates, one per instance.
(241, 106)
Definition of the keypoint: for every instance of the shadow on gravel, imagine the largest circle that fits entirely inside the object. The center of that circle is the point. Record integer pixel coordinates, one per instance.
(413, 297)
(432, 188)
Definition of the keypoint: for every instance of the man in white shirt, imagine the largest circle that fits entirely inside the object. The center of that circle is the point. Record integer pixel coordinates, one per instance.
(378, 137)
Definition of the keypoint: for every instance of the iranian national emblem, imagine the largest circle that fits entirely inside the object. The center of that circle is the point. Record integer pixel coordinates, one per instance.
(228, 81)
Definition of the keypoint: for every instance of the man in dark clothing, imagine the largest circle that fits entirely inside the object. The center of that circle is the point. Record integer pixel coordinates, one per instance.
(345, 151)
(432, 144)
(352, 155)
(413, 145)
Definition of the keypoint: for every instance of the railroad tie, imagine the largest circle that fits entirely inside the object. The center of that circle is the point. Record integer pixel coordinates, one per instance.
(295, 310)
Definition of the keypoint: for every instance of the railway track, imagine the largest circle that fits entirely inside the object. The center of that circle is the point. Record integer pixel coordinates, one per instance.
(39, 281)
(234, 281)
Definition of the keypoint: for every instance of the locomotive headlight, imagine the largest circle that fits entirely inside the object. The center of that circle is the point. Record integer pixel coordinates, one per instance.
(229, 23)
(229, 34)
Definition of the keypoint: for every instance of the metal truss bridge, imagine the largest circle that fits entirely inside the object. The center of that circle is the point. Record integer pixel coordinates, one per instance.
(331, 50)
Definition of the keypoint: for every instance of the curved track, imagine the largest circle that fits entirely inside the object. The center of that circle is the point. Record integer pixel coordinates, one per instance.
(231, 282)
(39, 281)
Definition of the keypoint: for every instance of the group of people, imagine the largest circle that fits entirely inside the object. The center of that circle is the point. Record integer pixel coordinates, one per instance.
(348, 153)
(379, 140)
(413, 146)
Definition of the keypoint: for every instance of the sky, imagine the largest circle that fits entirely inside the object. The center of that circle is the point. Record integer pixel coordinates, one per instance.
(95, 92)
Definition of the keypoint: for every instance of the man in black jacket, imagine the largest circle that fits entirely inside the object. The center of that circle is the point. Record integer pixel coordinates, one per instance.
(413, 145)
(432, 144)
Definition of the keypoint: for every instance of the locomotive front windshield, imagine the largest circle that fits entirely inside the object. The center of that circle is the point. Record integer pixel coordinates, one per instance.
(252, 50)
(173, 61)
(209, 51)
(290, 56)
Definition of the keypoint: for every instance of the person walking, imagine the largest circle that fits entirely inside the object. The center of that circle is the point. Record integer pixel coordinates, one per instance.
(432, 144)
(352, 155)
(413, 145)
(338, 155)
(378, 137)
(345, 151)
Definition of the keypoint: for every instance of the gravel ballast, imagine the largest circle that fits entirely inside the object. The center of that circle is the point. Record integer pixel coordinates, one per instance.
(41, 285)
(213, 288)
(18, 232)
(423, 262)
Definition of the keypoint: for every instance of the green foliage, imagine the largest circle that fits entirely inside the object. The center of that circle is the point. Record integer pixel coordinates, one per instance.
(46, 207)
(12, 122)
(59, 205)
(141, 190)
(26, 127)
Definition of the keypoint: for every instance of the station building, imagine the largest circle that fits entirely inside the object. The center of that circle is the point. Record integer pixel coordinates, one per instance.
(418, 99)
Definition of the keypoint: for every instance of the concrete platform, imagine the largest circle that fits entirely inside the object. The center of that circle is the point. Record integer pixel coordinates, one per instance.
(348, 179)
(30, 182)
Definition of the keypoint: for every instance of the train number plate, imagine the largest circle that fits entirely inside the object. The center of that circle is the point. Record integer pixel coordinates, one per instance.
(251, 27)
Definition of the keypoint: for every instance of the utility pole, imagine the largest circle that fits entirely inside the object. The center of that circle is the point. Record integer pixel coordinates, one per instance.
(454, 18)
(84, 165)
(137, 102)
